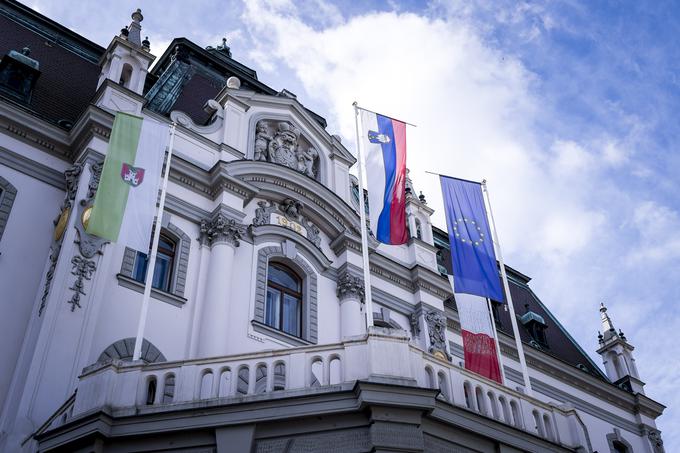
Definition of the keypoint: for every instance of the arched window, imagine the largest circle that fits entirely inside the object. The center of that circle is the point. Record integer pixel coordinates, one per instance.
(283, 307)
(151, 390)
(279, 376)
(419, 229)
(261, 378)
(125, 75)
(165, 261)
(169, 388)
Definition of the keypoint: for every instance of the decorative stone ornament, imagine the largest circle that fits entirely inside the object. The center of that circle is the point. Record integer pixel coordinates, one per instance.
(350, 286)
(291, 217)
(436, 327)
(82, 269)
(281, 143)
(71, 177)
(654, 437)
(221, 229)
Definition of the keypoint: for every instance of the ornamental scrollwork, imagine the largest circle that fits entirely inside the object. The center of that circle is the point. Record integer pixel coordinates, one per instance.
(350, 286)
(71, 178)
(82, 268)
(436, 327)
(280, 142)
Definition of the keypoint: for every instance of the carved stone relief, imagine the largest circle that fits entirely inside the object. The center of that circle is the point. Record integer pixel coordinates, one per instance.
(221, 229)
(436, 327)
(82, 269)
(281, 142)
(71, 176)
(350, 286)
(654, 437)
(88, 245)
(291, 215)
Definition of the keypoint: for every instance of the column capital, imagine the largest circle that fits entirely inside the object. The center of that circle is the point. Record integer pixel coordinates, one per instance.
(221, 229)
(350, 286)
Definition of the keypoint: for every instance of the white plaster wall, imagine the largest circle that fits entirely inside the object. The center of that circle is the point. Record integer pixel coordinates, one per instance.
(24, 249)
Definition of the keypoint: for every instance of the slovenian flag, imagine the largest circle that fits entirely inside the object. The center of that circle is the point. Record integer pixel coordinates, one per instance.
(125, 203)
(384, 142)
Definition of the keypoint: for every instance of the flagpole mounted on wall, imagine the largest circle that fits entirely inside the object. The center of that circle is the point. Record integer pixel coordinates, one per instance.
(506, 287)
(151, 262)
(364, 233)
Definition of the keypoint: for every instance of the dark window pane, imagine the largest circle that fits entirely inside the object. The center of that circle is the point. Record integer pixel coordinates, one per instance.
(271, 311)
(284, 278)
(291, 315)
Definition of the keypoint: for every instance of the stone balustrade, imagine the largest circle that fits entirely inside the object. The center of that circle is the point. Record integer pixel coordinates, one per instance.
(383, 354)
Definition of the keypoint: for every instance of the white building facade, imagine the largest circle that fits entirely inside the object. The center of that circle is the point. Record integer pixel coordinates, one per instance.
(256, 337)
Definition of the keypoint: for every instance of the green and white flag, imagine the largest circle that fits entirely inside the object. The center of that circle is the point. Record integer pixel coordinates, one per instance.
(125, 204)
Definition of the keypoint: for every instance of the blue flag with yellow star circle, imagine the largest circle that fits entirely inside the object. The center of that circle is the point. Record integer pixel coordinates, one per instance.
(473, 259)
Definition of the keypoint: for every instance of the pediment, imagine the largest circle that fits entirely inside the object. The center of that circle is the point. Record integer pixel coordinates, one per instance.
(287, 109)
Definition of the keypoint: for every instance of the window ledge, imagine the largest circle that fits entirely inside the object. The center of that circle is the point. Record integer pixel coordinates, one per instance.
(279, 335)
(131, 283)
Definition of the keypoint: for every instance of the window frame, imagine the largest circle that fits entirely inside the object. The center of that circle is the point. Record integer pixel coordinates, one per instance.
(283, 291)
(302, 264)
(179, 277)
(142, 261)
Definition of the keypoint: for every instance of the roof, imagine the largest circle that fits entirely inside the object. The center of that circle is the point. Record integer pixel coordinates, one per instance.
(68, 63)
(187, 75)
(560, 344)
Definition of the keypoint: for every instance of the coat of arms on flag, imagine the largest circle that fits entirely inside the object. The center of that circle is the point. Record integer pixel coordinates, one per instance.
(132, 175)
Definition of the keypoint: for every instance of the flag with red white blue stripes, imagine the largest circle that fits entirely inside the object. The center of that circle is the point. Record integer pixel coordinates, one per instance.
(384, 144)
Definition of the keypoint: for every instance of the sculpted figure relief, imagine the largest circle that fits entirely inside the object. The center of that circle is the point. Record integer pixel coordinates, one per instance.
(285, 147)
(262, 139)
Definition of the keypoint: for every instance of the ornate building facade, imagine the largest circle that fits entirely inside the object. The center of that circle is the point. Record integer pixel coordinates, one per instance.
(256, 339)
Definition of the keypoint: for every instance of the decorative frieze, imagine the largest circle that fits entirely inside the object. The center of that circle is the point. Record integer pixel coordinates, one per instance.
(280, 142)
(221, 229)
(350, 286)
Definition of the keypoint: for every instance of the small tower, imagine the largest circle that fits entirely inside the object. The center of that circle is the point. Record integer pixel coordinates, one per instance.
(617, 356)
(127, 59)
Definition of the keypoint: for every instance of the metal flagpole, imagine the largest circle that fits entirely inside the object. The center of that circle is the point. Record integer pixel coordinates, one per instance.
(495, 338)
(513, 318)
(151, 262)
(364, 233)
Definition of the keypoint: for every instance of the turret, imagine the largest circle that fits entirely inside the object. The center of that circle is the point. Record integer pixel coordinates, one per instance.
(617, 356)
(127, 59)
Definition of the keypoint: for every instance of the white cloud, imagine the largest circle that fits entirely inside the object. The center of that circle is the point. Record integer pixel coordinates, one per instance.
(658, 230)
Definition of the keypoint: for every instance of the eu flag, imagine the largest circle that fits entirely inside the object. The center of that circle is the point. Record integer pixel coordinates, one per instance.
(472, 254)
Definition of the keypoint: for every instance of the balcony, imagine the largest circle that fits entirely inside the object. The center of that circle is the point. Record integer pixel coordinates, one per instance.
(382, 356)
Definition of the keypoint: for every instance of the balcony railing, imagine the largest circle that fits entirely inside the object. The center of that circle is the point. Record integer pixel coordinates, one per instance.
(383, 352)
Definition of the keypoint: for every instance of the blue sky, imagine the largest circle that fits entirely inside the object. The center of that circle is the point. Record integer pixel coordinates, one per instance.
(569, 110)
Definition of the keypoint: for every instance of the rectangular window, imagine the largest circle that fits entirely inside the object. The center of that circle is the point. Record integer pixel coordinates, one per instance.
(161, 274)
